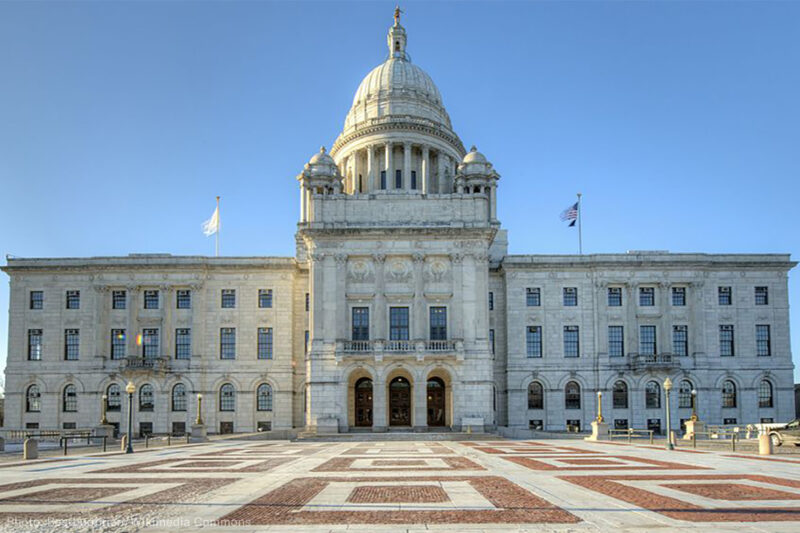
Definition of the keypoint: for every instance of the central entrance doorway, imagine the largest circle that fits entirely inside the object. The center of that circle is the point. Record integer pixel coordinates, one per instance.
(436, 402)
(399, 402)
(364, 402)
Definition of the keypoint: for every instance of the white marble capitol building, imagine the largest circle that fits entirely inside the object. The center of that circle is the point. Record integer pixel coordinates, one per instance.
(401, 309)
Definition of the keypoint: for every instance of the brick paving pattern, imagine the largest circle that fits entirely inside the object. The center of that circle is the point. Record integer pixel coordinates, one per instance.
(394, 494)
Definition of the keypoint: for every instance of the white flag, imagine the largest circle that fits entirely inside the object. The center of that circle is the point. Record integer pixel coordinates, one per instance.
(211, 226)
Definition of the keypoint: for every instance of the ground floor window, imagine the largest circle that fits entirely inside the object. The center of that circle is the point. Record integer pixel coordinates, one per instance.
(225, 428)
(536, 424)
(654, 425)
(620, 423)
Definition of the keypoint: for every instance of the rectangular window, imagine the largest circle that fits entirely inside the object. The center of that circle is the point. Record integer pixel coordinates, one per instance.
(533, 341)
(762, 295)
(615, 297)
(265, 343)
(119, 299)
(571, 341)
(307, 338)
(620, 423)
(680, 340)
(151, 299)
(678, 296)
(491, 341)
(73, 299)
(360, 323)
(398, 179)
(72, 344)
(37, 300)
(183, 299)
(570, 296)
(724, 294)
(178, 429)
(308, 302)
(533, 297)
(647, 340)
(491, 301)
(183, 343)
(264, 298)
(383, 180)
(150, 345)
(118, 343)
(413, 179)
(647, 296)
(729, 422)
(34, 345)
(536, 425)
(616, 341)
(438, 323)
(228, 298)
(145, 428)
(763, 343)
(726, 340)
(227, 343)
(398, 323)
(71, 425)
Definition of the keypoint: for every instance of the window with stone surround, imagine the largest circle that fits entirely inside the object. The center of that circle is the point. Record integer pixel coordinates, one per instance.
(678, 296)
(491, 301)
(535, 395)
(36, 300)
(264, 397)
(763, 340)
(398, 179)
(228, 300)
(491, 341)
(685, 394)
(615, 296)
(652, 395)
(724, 295)
(762, 296)
(150, 345)
(183, 343)
(183, 299)
(146, 397)
(616, 341)
(33, 399)
(533, 297)
(179, 397)
(69, 399)
(572, 395)
(414, 179)
(765, 394)
(227, 343)
(680, 340)
(647, 296)
(398, 323)
(619, 395)
(119, 299)
(570, 296)
(227, 397)
(438, 323)
(726, 348)
(533, 341)
(728, 394)
(113, 397)
(118, 343)
(72, 343)
(151, 299)
(73, 299)
(264, 298)
(383, 180)
(360, 324)
(265, 343)
(571, 341)
(647, 340)
(34, 345)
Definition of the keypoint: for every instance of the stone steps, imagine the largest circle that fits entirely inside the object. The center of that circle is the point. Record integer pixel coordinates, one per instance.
(396, 436)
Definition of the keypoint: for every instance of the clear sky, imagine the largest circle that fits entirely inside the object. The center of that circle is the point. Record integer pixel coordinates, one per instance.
(120, 121)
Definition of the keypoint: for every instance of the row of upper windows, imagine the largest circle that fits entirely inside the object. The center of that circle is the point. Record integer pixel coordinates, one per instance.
(647, 296)
(687, 395)
(152, 299)
(399, 323)
(648, 341)
(149, 342)
(113, 398)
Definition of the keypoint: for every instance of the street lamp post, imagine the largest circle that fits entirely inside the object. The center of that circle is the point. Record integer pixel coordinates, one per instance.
(694, 406)
(667, 388)
(199, 420)
(130, 390)
(103, 419)
(599, 406)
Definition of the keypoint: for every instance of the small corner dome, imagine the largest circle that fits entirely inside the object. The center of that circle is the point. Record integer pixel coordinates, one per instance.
(474, 156)
(321, 158)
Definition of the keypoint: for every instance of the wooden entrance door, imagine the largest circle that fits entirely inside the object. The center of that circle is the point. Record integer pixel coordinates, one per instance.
(364, 402)
(399, 402)
(436, 402)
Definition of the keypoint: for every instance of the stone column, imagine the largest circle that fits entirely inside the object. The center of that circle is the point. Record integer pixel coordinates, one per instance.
(371, 185)
(389, 164)
(407, 166)
(420, 404)
(341, 296)
(440, 180)
(133, 320)
(420, 329)
(168, 327)
(302, 204)
(457, 320)
(493, 202)
(380, 310)
(426, 165)
(378, 405)
(356, 170)
(665, 323)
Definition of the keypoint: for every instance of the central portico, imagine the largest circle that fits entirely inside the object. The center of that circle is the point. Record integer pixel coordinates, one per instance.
(397, 228)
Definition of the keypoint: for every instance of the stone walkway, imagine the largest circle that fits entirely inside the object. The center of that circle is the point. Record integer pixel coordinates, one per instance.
(502, 485)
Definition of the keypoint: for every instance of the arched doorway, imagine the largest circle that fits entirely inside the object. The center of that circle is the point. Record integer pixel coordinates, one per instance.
(363, 393)
(399, 402)
(436, 402)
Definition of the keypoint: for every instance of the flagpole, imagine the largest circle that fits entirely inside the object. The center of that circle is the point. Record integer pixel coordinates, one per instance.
(219, 226)
(580, 217)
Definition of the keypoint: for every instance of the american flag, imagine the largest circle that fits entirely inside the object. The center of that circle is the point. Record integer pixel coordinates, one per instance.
(570, 213)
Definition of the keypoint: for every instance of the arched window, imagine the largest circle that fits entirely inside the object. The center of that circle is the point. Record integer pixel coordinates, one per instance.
(728, 394)
(685, 394)
(765, 394)
(652, 395)
(572, 395)
(69, 399)
(620, 395)
(227, 398)
(535, 395)
(113, 400)
(146, 398)
(179, 397)
(33, 399)
(264, 397)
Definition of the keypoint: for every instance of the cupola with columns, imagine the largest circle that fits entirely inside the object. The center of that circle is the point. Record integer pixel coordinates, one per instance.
(475, 175)
(319, 176)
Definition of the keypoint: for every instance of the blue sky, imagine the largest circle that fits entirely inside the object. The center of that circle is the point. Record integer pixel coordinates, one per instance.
(120, 121)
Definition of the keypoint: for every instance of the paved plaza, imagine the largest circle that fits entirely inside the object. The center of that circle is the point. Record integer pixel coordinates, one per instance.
(497, 485)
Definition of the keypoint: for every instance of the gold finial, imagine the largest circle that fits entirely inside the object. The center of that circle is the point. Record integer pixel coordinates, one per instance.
(397, 14)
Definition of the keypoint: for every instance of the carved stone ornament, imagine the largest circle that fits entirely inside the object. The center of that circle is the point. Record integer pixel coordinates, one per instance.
(317, 256)
(380, 258)
(340, 259)
(398, 270)
(360, 270)
(436, 269)
(456, 258)
(418, 257)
